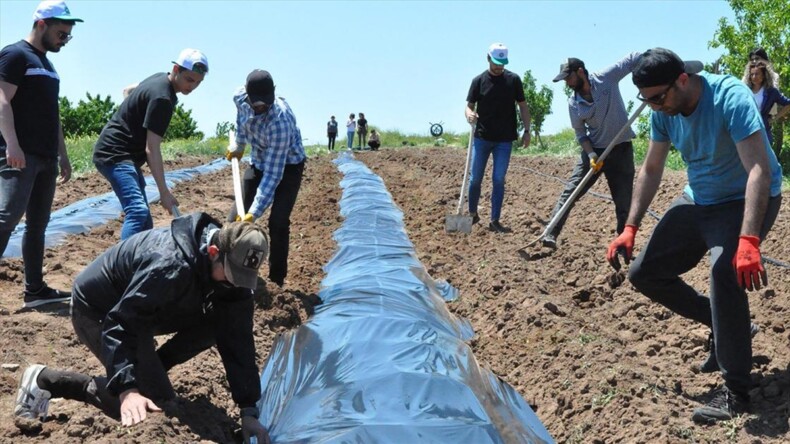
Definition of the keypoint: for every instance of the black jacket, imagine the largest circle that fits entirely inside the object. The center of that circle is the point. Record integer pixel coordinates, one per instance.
(158, 282)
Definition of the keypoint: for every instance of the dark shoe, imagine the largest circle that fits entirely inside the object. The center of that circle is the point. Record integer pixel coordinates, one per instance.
(724, 406)
(475, 218)
(45, 295)
(711, 364)
(496, 227)
(550, 241)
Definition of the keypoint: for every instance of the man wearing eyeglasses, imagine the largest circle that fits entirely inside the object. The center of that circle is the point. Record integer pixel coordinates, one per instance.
(729, 205)
(194, 280)
(32, 148)
(277, 158)
(133, 136)
(597, 114)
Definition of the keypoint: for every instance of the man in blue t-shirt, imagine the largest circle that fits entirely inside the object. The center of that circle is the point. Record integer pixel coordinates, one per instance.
(32, 148)
(491, 107)
(729, 205)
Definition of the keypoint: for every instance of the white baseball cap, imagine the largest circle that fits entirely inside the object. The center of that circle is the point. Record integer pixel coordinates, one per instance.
(498, 53)
(192, 59)
(56, 9)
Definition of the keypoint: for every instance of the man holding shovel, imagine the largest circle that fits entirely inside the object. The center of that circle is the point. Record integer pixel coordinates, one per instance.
(490, 106)
(597, 115)
(133, 136)
(277, 159)
(729, 205)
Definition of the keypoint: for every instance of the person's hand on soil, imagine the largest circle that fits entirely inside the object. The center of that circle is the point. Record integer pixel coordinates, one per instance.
(624, 245)
(135, 407)
(748, 263)
(168, 201)
(251, 426)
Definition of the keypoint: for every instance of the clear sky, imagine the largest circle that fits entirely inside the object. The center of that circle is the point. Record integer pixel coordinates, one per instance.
(402, 63)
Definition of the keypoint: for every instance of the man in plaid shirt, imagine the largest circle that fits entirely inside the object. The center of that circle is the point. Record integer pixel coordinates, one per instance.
(277, 159)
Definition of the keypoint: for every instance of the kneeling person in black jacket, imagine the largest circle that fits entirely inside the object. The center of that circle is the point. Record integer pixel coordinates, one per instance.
(193, 279)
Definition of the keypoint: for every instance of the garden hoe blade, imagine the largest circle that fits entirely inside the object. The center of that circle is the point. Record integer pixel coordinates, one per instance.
(458, 221)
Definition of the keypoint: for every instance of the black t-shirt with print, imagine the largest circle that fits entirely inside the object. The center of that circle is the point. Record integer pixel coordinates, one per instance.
(362, 125)
(35, 103)
(149, 107)
(496, 98)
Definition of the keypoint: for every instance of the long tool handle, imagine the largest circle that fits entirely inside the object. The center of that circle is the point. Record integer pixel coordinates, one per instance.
(234, 163)
(555, 220)
(175, 211)
(464, 185)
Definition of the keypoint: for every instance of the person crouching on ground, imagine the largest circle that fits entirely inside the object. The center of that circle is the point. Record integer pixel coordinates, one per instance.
(375, 141)
(729, 205)
(193, 279)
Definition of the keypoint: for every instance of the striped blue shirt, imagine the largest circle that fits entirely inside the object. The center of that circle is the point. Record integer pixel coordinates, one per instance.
(600, 120)
(275, 140)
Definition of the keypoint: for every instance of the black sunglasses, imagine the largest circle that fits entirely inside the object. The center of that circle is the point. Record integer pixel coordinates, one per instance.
(64, 36)
(657, 99)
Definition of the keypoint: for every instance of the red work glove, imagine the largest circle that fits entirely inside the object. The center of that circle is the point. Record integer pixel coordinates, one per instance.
(624, 245)
(748, 263)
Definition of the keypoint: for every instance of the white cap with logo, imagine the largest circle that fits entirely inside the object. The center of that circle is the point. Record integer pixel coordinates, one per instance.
(55, 9)
(192, 59)
(498, 53)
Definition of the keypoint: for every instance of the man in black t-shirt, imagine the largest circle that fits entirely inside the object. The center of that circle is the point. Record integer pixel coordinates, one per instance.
(490, 106)
(133, 136)
(31, 142)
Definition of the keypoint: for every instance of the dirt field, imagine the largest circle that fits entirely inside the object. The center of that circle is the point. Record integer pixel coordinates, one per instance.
(597, 363)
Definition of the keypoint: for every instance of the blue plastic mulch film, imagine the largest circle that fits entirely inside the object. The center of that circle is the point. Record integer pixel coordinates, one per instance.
(382, 360)
(92, 212)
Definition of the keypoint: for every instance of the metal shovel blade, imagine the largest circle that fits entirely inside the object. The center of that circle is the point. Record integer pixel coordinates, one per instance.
(458, 222)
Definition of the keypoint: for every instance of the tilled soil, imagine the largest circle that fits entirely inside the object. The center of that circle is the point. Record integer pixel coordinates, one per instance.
(597, 361)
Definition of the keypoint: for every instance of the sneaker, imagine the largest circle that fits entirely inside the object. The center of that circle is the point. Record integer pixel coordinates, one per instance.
(45, 295)
(31, 401)
(496, 227)
(711, 364)
(724, 406)
(475, 218)
(550, 241)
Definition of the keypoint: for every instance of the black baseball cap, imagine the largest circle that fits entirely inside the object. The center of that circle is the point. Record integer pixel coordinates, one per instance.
(571, 65)
(260, 87)
(759, 52)
(660, 66)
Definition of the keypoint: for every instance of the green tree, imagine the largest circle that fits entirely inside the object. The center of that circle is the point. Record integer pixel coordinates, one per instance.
(182, 125)
(223, 128)
(88, 117)
(539, 102)
(758, 23)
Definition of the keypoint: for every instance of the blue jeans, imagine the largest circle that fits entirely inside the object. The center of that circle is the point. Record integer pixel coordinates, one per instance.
(28, 191)
(350, 137)
(128, 183)
(684, 235)
(481, 151)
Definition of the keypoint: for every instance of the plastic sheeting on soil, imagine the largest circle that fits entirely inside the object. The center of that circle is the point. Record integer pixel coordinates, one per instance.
(81, 216)
(382, 360)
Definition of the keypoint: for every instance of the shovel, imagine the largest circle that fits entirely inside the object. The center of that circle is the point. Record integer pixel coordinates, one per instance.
(458, 221)
(564, 209)
(234, 162)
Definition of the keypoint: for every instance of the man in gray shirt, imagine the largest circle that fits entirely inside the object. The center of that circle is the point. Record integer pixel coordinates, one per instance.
(597, 114)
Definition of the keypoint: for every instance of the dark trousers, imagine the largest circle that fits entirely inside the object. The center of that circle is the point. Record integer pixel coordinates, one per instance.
(280, 215)
(151, 365)
(28, 192)
(681, 239)
(331, 143)
(618, 167)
